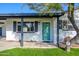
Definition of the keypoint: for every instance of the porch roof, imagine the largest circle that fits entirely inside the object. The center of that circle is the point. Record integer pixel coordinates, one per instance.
(32, 15)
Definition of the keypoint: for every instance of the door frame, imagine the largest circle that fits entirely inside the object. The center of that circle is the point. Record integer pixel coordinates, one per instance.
(43, 30)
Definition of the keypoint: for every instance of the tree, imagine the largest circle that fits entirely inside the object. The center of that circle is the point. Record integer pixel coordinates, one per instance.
(72, 20)
(45, 7)
(54, 7)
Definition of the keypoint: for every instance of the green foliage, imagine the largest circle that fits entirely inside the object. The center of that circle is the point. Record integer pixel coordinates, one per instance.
(55, 6)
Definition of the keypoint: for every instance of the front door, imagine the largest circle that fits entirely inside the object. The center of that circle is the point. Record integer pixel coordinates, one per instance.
(0, 31)
(46, 31)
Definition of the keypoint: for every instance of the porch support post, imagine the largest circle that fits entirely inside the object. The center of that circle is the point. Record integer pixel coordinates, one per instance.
(21, 41)
(58, 31)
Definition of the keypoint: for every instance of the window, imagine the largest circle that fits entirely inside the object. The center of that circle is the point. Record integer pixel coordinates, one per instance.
(64, 25)
(70, 28)
(67, 26)
(27, 26)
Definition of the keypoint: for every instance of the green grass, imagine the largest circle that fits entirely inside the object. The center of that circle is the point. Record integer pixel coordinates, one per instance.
(39, 52)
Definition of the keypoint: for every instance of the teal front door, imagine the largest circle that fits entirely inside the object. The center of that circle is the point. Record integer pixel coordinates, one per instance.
(46, 31)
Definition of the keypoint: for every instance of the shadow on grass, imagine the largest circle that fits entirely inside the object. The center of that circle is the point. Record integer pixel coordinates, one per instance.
(62, 48)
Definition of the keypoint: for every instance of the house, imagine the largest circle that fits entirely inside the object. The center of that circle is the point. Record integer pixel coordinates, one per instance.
(30, 27)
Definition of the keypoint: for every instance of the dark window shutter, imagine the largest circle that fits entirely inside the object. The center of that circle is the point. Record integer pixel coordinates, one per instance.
(36, 26)
(14, 26)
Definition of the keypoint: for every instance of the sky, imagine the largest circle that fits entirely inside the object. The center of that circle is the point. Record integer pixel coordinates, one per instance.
(16, 8)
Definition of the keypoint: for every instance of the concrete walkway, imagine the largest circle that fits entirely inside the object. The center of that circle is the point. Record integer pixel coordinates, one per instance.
(10, 44)
(4, 44)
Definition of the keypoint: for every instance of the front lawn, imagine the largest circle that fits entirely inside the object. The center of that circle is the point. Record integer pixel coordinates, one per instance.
(39, 52)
